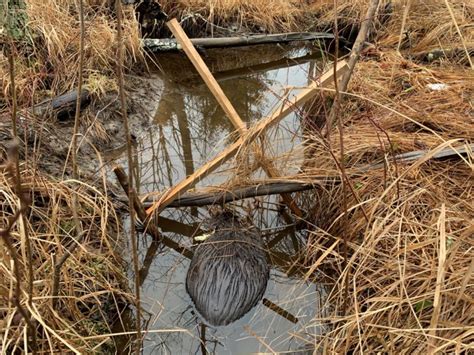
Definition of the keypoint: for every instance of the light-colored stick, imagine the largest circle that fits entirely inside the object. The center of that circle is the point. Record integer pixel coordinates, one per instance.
(282, 111)
(206, 74)
(224, 102)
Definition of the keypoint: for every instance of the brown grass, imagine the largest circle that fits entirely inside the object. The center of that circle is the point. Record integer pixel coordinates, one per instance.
(50, 65)
(409, 270)
(410, 234)
(260, 15)
(93, 286)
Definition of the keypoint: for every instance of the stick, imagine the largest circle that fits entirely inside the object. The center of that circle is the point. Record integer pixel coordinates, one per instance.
(191, 199)
(278, 310)
(353, 58)
(206, 75)
(151, 227)
(284, 109)
(130, 191)
(158, 45)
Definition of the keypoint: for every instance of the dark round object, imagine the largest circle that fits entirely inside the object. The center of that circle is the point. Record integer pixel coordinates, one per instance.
(229, 272)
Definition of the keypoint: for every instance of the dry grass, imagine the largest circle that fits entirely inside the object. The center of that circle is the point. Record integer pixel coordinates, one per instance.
(408, 282)
(260, 15)
(410, 267)
(93, 285)
(93, 291)
(47, 63)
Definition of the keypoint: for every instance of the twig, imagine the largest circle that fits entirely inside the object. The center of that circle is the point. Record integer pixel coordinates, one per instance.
(79, 233)
(353, 58)
(5, 234)
(130, 192)
(280, 311)
(335, 111)
(78, 96)
(15, 157)
(203, 339)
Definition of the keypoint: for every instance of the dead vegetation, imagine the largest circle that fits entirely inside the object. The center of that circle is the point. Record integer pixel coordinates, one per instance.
(47, 61)
(406, 280)
(93, 290)
(407, 284)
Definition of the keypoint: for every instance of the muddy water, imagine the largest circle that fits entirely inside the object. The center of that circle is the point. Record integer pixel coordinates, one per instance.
(188, 128)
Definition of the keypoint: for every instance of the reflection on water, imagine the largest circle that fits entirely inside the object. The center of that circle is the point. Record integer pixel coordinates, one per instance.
(189, 129)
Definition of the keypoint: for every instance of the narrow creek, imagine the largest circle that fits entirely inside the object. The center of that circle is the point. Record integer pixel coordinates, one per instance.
(189, 128)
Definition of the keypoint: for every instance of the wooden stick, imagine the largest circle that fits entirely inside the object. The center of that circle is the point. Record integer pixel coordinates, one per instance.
(168, 44)
(151, 228)
(191, 199)
(282, 111)
(226, 105)
(205, 73)
(353, 58)
(278, 310)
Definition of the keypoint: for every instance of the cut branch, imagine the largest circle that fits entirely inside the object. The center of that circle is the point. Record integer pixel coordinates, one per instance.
(168, 44)
(353, 58)
(282, 111)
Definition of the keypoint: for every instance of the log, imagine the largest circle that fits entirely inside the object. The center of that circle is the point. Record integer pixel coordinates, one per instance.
(63, 106)
(193, 199)
(169, 44)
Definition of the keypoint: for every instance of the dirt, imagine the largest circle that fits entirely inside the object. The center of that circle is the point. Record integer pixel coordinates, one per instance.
(101, 130)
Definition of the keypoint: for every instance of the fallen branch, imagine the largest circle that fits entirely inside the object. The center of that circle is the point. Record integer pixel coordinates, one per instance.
(353, 58)
(282, 111)
(191, 199)
(169, 44)
(63, 106)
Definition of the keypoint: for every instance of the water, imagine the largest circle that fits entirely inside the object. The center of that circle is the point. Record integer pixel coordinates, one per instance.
(189, 128)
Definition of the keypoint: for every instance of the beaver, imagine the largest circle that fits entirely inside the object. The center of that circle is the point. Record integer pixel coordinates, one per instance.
(229, 272)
